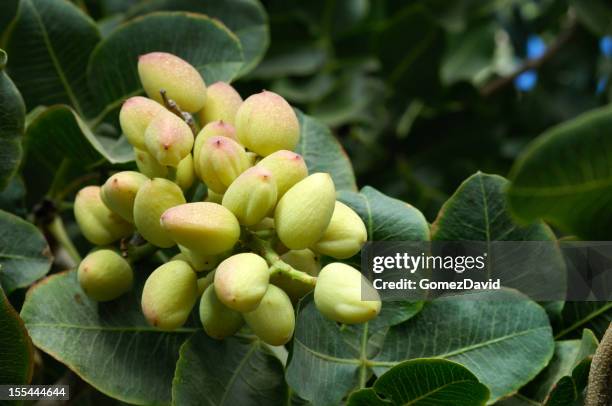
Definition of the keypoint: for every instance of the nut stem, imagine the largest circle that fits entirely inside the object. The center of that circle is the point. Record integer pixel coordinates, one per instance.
(277, 265)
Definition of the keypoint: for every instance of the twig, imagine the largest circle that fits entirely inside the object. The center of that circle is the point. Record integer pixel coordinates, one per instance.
(599, 389)
(277, 265)
(498, 84)
(174, 108)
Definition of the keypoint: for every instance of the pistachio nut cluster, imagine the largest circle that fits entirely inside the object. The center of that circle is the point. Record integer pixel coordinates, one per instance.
(251, 248)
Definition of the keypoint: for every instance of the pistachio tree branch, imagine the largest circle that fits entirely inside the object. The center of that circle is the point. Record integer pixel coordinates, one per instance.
(135, 248)
(277, 265)
(599, 389)
(174, 108)
(498, 84)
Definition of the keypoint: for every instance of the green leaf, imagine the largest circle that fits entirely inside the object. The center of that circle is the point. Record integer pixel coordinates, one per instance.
(49, 44)
(563, 394)
(565, 177)
(246, 18)
(16, 351)
(300, 60)
(327, 360)
(596, 15)
(24, 253)
(478, 211)
(323, 153)
(8, 11)
(12, 122)
(109, 345)
(501, 336)
(468, 54)
(425, 382)
(576, 316)
(234, 371)
(112, 70)
(58, 139)
(386, 218)
(568, 354)
(414, 71)
(352, 100)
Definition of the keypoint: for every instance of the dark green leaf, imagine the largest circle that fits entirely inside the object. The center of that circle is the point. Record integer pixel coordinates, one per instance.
(565, 177)
(568, 354)
(58, 139)
(109, 345)
(426, 382)
(478, 211)
(16, 352)
(246, 18)
(502, 337)
(576, 316)
(12, 121)
(234, 371)
(563, 394)
(205, 43)
(596, 15)
(8, 10)
(386, 218)
(414, 71)
(469, 54)
(49, 46)
(24, 253)
(298, 61)
(328, 360)
(351, 101)
(323, 153)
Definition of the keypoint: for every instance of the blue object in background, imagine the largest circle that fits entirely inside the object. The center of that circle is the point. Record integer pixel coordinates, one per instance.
(535, 47)
(601, 85)
(605, 45)
(526, 81)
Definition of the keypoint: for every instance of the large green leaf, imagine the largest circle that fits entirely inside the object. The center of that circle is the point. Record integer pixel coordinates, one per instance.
(386, 218)
(576, 316)
(424, 382)
(205, 43)
(567, 356)
(109, 345)
(16, 352)
(478, 211)
(565, 177)
(246, 18)
(58, 139)
(501, 336)
(234, 371)
(24, 253)
(12, 122)
(327, 360)
(323, 152)
(49, 44)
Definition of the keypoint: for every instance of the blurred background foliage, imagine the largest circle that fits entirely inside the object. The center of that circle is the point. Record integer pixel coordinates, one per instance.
(423, 93)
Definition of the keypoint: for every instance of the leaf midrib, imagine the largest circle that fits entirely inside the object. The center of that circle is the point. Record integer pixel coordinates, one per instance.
(425, 395)
(468, 348)
(54, 60)
(442, 356)
(562, 189)
(238, 370)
